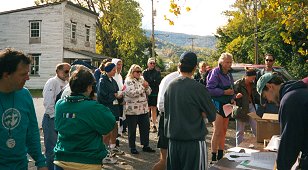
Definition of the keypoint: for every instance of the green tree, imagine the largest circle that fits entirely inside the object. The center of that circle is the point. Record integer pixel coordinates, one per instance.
(276, 33)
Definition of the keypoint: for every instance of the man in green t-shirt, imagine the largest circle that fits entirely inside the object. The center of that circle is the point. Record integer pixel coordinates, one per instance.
(19, 129)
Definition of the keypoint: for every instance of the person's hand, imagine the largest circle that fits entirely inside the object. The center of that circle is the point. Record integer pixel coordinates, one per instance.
(42, 168)
(145, 84)
(229, 92)
(118, 96)
(239, 95)
(233, 102)
(203, 114)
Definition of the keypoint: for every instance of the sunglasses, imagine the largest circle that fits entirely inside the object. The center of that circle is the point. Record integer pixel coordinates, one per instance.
(137, 71)
(66, 71)
(153, 63)
(269, 60)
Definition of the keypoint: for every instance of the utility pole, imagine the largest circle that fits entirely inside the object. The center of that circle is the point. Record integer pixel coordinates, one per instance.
(152, 37)
(256, 31)
(192, 43)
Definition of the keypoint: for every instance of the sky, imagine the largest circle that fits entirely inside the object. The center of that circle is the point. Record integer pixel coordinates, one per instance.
(203, 19)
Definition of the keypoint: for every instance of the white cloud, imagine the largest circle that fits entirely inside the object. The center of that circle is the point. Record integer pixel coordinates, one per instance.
(15, 4)
(203, 19)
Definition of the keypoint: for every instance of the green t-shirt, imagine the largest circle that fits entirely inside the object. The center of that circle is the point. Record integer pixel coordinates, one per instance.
(80, 123)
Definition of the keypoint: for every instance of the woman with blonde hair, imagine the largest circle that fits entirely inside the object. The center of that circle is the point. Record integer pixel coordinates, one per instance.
(220, 86)
(136, 108)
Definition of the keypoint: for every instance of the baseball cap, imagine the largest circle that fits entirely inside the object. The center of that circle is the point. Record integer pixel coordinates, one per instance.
(109, 67)
(265, 78)
(188, 59)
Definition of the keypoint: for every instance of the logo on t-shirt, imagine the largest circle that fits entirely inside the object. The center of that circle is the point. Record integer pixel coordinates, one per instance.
(11, 118)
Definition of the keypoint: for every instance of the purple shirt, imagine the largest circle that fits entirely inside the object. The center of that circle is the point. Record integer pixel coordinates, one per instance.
(217, 82)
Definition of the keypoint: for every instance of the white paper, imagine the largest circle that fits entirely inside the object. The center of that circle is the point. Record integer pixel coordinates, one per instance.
(273, 145)
(260, 160)
(228, 108)
(264, 156)
(256, 165)
(237, 149)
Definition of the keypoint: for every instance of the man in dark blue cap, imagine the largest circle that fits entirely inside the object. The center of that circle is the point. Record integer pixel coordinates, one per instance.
(293, 117)
(187, 103)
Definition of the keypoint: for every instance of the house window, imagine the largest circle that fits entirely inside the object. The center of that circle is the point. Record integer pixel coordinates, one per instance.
(35, 32)
(35, 29)
(73, 30)
(34, 66)
(87, 33)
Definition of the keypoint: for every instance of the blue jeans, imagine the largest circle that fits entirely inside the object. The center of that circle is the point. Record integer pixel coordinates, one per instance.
(50, 139)
(240, 126)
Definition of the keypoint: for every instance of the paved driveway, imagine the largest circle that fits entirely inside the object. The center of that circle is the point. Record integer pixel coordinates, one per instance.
(39, 108)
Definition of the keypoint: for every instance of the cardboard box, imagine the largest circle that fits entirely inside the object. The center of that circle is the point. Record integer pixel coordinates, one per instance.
(267, 126)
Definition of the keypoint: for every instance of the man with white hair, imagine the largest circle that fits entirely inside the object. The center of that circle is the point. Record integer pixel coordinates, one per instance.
(153, 77)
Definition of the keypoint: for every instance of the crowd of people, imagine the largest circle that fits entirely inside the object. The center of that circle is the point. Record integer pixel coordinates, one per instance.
(86, 110)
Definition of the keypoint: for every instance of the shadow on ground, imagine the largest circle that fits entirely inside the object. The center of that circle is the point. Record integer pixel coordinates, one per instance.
(145, 160)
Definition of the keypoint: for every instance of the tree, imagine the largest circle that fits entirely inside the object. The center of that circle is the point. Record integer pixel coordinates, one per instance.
(282, 31)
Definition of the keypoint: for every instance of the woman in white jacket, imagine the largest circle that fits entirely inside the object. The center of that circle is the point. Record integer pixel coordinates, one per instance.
(136, 108)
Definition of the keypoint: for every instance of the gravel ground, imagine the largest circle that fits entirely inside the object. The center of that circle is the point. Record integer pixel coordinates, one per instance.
(145, 160)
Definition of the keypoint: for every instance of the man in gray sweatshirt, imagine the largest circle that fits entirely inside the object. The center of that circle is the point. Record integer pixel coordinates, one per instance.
(187, 103)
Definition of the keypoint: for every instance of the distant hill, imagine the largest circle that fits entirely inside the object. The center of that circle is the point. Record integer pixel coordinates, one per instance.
(184, 40)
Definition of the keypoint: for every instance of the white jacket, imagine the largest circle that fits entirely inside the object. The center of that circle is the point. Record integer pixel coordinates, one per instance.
(135, 97)
(51, 89)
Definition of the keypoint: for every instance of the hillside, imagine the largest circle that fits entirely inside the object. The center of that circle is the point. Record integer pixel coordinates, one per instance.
(183, 40)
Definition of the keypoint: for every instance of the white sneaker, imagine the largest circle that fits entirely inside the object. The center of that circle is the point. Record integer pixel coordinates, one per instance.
(116, 151)
(109, 160)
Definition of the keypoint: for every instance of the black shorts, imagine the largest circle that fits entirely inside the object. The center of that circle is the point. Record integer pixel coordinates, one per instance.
(162, 139)
(219, 107)
(152, 101)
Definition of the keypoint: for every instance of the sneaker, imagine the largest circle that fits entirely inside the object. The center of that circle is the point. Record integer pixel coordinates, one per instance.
(134, 151)
(109, 160)
(154, 129)
(116, 151)
(213, 162)
(148, 149)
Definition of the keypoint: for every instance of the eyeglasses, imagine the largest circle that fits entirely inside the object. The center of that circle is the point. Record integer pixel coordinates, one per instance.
(137, 71)
(153, 63)
(269, 60)
(66, 71)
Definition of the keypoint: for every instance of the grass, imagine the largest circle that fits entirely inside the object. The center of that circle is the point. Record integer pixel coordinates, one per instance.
(36, 93)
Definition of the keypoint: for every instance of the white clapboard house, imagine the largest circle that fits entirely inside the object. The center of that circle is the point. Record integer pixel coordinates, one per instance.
(51, 34)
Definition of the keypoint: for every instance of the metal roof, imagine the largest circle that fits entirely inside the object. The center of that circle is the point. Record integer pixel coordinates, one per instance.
(49, 4)
(86, 53)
